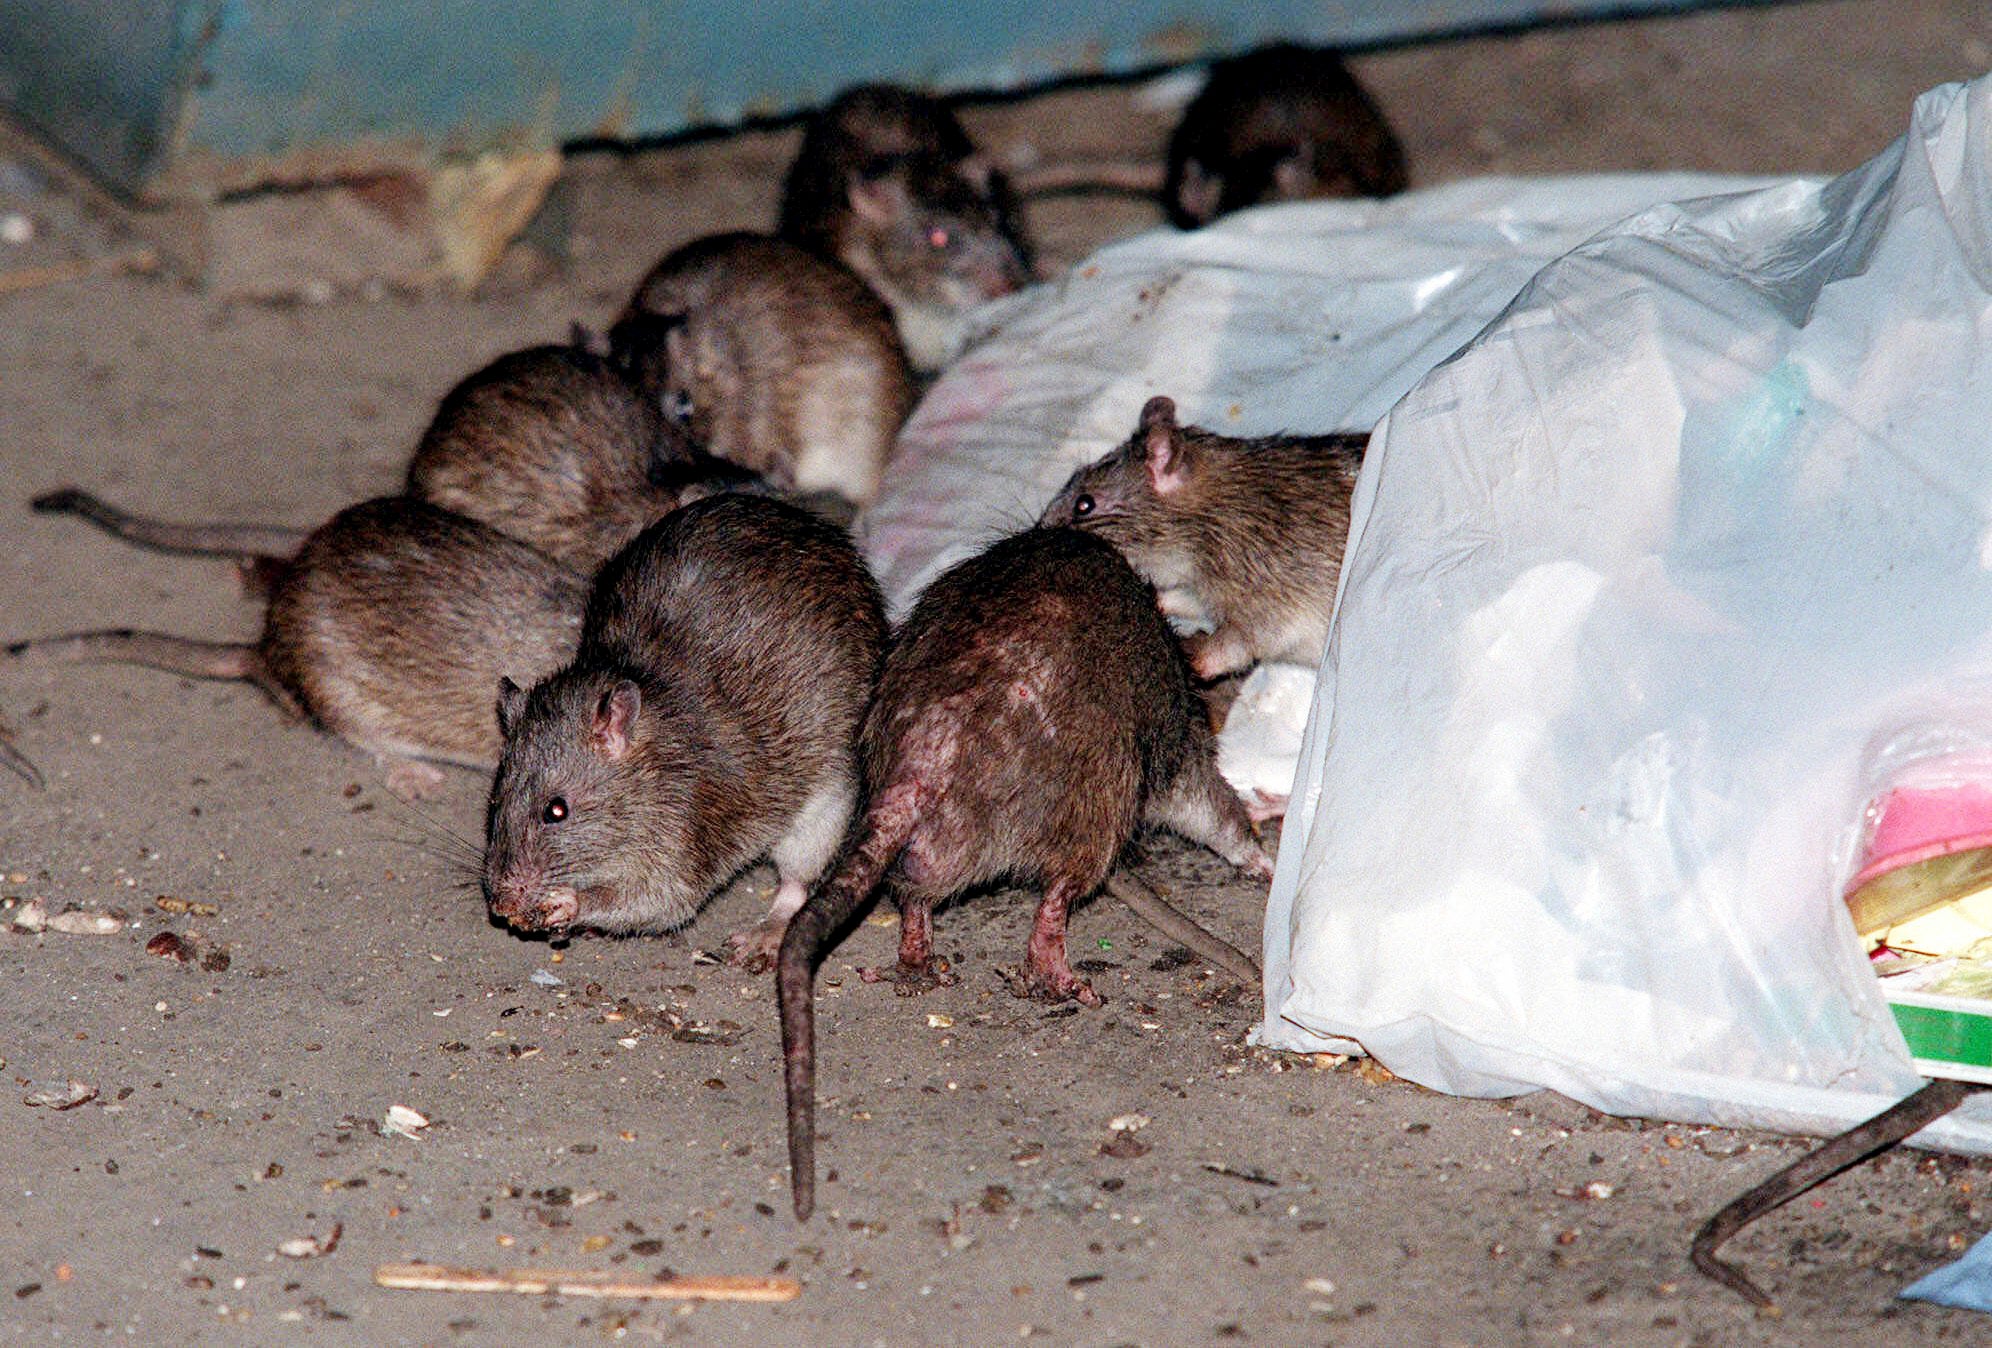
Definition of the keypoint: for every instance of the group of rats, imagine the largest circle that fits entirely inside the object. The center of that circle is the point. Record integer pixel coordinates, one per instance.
(635, 546)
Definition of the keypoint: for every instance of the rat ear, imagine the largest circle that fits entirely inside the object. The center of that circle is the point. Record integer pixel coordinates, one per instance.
(1200, 192)
(511, 701)
(879, 202)
(1162, 447)
(615, 714)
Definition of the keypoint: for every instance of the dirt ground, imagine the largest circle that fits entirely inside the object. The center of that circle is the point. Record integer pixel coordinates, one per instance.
(616, 1104)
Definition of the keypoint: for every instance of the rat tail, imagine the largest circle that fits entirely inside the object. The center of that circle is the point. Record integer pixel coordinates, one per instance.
(888, 823)
(259, 541)
(178, 655)
(15, 761)
(155, 650)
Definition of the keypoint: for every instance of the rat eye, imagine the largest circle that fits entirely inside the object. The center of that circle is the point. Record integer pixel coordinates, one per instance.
(678, 405)
(937, 237)
(1082, 507)
(555, 811)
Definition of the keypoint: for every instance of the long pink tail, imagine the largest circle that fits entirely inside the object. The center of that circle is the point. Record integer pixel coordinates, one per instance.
(223, 540)
(179, 655)
(888, 823)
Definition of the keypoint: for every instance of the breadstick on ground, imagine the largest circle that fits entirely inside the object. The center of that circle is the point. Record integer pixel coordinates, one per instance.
(583, 1283)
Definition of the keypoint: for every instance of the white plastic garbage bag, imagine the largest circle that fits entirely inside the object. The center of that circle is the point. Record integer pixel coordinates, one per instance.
(1651, 589)
(1310, 317)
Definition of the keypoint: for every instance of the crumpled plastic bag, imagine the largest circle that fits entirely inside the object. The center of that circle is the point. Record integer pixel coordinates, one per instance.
(1652, 590)
(1307, 317)
(1965, 1282)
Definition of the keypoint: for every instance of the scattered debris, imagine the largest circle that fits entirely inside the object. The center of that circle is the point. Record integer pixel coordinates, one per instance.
(1596, 1189)
(584, 1283)
(85, 924)
(404, 1122)
(721, 1034)
(166, 903)
(546, 978)
(65, 1096)
(1129, 1123)
(1374, 1072)
(1239, 1173)
(306, 1247)
(1126, 1146)
(34, 917)
(168, 945)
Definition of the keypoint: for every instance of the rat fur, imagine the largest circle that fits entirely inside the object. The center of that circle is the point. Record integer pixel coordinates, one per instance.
(1033, 711)
(709, 717)
(553, 446)
(888, 182)
(1253, 529)
(389, 628)
(771, 358)
(1280, 123)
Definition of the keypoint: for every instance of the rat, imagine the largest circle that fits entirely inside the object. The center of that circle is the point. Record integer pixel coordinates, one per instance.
(1279, 123)
(1033, 711)
(550, 445)
(708, 717)
(888, 182)
(553, 446)
(389, 628)
(772, 358)
(1253, 529)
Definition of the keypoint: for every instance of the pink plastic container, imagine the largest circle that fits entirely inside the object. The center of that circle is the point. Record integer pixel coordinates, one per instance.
(1919, 824)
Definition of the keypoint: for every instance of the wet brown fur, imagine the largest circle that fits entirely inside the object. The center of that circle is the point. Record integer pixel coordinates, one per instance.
(552, 446)
(773, 359)
(390, 628)
(1033, 711)
(709, 716)
(1282, 123)
(1254, 528)
(888, 182)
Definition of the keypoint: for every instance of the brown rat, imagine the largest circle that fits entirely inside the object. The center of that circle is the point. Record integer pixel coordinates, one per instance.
(1032, 712)
(1280, 123)
(553, 446)
(550, 445)
(709, 717)
(1253, 529)
(390, 628)
(772, 358)
(888, 182)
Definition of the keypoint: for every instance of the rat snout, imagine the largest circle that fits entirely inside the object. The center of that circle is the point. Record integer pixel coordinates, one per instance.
(525, 907)
(999, 274)
(988, 269)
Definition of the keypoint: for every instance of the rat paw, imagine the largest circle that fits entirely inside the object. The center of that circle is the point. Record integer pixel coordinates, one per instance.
(913, 980)
(755, 949)
(1264, 805)
(412, 779)
(1049, 985)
